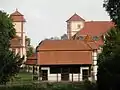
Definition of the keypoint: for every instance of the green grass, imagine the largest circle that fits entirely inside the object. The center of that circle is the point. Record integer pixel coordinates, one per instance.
(22, 78)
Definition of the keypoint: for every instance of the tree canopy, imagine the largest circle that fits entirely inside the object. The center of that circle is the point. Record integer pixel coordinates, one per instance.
(108, 76)
(109, 61)
(9, 62)
(113, 9)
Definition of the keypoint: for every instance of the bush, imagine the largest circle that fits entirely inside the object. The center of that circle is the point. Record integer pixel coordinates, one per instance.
(86, 85)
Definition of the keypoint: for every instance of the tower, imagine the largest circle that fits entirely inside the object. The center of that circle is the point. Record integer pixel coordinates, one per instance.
(74, 24)
(18, 21)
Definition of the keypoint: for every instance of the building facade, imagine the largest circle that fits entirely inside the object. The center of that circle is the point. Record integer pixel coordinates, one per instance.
(74, 59)
(18, 43)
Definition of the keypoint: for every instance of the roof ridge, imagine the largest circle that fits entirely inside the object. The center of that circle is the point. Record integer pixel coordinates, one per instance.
(75, 17)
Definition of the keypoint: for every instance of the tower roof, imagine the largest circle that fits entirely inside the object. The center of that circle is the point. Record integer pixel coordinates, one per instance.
(17, 16)
(75, 17)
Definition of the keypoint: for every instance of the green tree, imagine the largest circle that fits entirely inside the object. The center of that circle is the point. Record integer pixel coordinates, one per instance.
(109, 62)
(109, 59)
(9, 62)
(30, 48)
(113, 9)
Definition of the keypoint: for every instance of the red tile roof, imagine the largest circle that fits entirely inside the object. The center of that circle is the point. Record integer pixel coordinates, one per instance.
(64, 57)
(17, 17)
(15, 42)
(75, 17)
(64, 45)
(54, 52)
(96, 28)
(31, 60)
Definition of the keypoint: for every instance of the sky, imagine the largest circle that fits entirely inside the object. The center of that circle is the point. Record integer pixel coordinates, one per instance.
(47, 18)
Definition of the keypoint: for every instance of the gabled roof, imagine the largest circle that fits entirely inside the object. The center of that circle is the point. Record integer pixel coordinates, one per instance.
(75, 17)
(31, 60)
(63, 45)
(95, 28)
(15, 42)
(17, 16)
(16, 13)
(64, 57)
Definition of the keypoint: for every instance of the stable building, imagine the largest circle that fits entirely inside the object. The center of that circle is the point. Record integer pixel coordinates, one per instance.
(74, 59)
(66, 60)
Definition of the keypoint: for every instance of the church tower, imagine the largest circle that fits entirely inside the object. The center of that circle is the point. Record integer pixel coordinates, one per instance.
(74, 24)
(19, 20)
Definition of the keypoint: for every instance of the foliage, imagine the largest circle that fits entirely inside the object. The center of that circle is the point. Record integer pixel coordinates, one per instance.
(113, 9)
(53, 86)
(9, 62)
(30, 48)
(109, 62)
(64, 37)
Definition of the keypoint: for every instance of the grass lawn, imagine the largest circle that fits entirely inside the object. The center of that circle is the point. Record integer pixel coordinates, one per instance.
(25, 76)
(22, 78)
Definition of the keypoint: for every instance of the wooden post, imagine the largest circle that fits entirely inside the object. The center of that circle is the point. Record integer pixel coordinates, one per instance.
(72, 76)
(57, 76)
(78, 77)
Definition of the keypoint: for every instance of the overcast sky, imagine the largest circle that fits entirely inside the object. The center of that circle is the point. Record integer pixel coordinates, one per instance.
(46, 18)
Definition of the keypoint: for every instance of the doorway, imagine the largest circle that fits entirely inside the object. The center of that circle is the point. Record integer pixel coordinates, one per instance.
(85, 74)
(44, 74)
(65, 74)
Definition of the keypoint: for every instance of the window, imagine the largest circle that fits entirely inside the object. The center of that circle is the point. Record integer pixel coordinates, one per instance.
(78, 26)
(95, 38)
(75, 70)
(85, 73)
(81, 37)
(55, 70)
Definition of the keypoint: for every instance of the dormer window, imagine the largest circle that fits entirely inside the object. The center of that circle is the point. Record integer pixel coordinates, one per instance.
(81, 38)
(95, 38)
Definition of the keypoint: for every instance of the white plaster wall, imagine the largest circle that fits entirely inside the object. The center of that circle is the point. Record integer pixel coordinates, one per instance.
(70, 77)
(18, 34)
(95, 58)
(95, 64)
(75, 77)
(59, 77)
(17, 26)
(95, 53)
(73, 33)
(52, 77)
(95, 72)
(74, 25)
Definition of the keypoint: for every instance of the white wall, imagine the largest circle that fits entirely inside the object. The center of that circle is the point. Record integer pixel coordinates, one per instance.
(18, 27)
(53, 77)
(94, 55)
(72, 27)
